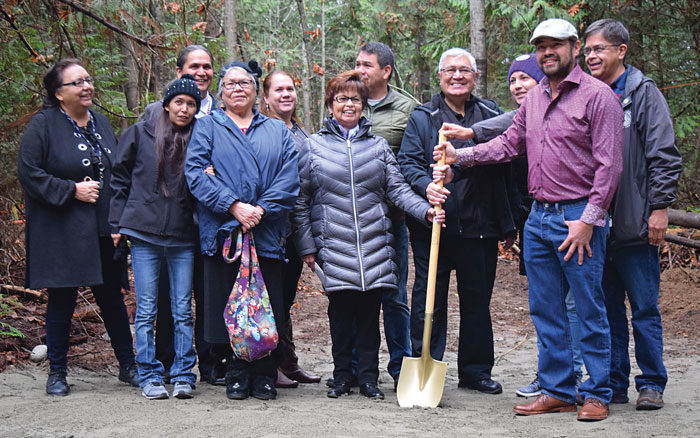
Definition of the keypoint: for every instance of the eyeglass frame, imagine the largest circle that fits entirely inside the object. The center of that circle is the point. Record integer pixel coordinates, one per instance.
(598, 48)
(80, 82)
(355, 100)
(464, 71)
(231, 85)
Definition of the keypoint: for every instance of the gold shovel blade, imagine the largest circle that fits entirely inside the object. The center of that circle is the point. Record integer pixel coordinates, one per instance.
(421, 382)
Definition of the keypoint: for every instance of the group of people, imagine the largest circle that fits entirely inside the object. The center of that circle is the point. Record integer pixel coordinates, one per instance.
(198, 168)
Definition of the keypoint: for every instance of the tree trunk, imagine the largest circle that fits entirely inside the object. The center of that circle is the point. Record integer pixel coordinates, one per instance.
(421, 86)
(477, 33)
(231, 29)
(131, 87)
(307, 67)
(321, 100)
(160, 73)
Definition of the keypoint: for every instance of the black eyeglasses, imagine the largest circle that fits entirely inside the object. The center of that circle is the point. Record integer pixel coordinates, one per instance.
(345, 99)
(80, 82)
(244, 84)
(598, 49)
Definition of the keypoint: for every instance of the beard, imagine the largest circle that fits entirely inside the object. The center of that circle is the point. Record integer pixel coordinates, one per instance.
(560, 70)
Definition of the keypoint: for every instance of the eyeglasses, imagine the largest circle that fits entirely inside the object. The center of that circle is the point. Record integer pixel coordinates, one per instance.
(244, 84)
(344, 99)
(80, 82)
(598, 49)
(450, 71)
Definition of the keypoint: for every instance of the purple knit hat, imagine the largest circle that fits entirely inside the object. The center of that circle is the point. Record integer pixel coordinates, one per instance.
(526, 63)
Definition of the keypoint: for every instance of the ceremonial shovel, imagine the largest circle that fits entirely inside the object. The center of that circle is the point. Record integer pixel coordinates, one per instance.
(422, 379)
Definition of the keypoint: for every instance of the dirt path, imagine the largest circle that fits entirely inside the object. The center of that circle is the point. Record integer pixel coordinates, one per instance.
(100, 405)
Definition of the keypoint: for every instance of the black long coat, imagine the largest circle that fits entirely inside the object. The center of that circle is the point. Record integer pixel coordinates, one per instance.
(62, 233)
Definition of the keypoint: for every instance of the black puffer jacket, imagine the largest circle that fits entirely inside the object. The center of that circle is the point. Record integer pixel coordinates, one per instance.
(138, 201)
(483, 198)
(341, 214)
(651, 161)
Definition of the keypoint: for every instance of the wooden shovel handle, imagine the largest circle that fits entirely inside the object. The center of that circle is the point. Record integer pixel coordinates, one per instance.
(434, 246)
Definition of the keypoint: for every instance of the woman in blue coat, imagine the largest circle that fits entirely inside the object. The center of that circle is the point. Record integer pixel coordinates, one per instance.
(254, 188)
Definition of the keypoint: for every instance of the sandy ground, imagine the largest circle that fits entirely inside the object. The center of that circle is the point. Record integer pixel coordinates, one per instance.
(100, 405)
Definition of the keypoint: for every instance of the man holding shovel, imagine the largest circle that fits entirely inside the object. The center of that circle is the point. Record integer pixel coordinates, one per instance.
(478, 215)
(571, 126)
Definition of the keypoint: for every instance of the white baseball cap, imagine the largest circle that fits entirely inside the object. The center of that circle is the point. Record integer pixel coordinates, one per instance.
(554, 28)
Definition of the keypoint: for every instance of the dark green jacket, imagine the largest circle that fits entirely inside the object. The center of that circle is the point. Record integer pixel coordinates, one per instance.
(390, 116)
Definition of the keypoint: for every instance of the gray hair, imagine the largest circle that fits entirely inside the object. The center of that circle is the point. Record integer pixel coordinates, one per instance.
(612, 30)
(454, 52)
(224, 71)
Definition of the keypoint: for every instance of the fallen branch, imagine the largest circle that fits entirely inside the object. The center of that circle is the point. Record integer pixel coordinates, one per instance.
(22, 290)
(679, 240)
(684, 219)
(512, 349)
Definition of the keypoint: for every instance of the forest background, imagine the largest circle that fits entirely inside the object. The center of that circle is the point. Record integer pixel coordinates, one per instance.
(130, 46)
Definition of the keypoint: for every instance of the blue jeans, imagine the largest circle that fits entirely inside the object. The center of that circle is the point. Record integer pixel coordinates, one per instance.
(550, 279)
(397, 317)
(146, 259)
(635, 270)
(575, 335)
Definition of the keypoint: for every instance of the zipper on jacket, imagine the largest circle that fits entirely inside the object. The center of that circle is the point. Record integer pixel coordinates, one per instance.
(354, 212)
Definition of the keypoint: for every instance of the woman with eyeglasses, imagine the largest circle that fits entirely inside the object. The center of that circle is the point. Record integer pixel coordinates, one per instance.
(253, 188)
(65, 167)
(280, 102)
(343, 231)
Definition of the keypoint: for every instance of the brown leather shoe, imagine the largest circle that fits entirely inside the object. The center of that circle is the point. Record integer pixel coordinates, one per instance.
(285, 382)
(544, 404)
(593, 410)
(301, 376)
(649, 400)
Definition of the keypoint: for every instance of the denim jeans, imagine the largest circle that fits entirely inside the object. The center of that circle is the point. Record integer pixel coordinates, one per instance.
(575, 335)
(397, 317)
(550, 279)
(146, 260)
(635, 270)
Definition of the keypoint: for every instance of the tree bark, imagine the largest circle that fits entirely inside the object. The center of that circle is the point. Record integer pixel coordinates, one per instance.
(477, 33)
(231, 29)
(307, 67)
(131, 87)
(421, 86)
(321, 90)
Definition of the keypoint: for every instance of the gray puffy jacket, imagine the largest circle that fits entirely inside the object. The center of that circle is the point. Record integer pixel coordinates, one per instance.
(341, 214)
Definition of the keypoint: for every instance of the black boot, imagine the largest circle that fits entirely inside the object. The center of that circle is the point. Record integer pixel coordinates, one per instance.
(130, 375)
(57, 384)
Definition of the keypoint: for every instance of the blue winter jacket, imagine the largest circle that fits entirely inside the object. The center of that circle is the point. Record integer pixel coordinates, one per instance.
(258, 168)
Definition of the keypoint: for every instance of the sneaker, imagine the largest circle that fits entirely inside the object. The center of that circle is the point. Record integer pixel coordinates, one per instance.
(531, 390)
(56, 383)
(155, 391)
(130, 375)
(182, 390)
(264, 389)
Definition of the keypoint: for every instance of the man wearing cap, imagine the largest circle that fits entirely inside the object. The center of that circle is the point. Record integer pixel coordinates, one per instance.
(651, 168)
(478, 215)
(197, 61)
(571, 127)
(388, 109)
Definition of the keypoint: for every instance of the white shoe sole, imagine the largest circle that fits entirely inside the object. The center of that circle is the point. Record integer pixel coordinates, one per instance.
(527, 394)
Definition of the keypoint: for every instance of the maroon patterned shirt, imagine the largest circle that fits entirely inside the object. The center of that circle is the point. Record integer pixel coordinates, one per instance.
(574, 143)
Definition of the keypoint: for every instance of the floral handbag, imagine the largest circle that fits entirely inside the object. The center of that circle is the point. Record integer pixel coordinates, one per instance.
(248, 313)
